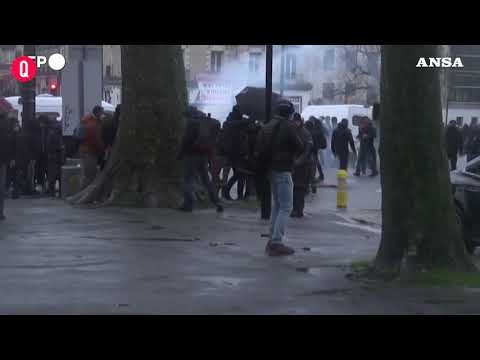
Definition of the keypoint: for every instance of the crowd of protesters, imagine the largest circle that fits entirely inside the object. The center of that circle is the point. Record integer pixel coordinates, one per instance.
(276, 162)
(32, 155)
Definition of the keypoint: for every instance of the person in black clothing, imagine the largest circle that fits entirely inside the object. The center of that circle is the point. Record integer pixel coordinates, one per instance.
(317, 139)
(39, 150)
(453, 143)
(367, 153)
(472, 145)
(54, 149)
(6, 150)
(12, 166)
(341, 139)
(277, 147)
(197, 144)
(302, 168)
(236, 148)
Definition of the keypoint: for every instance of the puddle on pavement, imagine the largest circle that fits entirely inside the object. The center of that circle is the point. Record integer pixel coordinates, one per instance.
(157, 227)
(361, 227)
(328, 292)
(310, 270)
(220, 281)
(160, 239)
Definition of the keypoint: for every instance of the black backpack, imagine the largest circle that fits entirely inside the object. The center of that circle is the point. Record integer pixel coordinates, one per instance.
(206, 135)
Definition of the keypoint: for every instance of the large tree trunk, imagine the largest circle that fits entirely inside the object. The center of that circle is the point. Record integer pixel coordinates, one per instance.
(143, 169)
(417, 205)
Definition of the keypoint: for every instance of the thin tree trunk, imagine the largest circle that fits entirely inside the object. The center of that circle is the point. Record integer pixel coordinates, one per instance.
(143, 169)
(417, 205)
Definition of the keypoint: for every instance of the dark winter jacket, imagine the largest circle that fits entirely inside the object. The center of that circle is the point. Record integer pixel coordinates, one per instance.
(318, 132)
(341, 138)
(281, 151)
(366, 136)
(7, 142)
(302, 164)
(235, 136)
(453, 140)
(191, 135)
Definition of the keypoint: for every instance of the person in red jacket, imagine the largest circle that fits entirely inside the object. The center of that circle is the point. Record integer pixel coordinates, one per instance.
(92, 147)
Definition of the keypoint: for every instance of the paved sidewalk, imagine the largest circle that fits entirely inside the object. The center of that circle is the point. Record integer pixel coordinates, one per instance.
(58, 259)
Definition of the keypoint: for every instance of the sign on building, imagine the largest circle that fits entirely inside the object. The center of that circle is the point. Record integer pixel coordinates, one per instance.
(214, 91)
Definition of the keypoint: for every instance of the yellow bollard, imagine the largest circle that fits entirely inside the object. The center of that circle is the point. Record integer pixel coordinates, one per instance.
(342, 195)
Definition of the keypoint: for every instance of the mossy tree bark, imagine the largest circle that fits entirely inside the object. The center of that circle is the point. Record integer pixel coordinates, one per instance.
(417, 204)
(143, 170)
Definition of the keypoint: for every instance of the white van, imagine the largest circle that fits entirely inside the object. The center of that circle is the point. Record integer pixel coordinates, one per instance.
(350, 112)
(47, 104)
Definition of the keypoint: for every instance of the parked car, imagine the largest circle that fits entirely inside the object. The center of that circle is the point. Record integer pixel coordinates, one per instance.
(466, 192)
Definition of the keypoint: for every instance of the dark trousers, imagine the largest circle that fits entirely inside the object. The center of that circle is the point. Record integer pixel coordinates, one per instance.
(318, 165)
(264, 194)
(343, 161)
(453, 162)
(196, 167)
(239, 178)
(299, 193)
(41, 164)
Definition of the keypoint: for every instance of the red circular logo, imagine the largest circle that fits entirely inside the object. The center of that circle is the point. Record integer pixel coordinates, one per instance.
(24, 69)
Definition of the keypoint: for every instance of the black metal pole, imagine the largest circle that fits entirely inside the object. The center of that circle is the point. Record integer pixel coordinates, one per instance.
(28, 95)
(268, 82)
(282, 69)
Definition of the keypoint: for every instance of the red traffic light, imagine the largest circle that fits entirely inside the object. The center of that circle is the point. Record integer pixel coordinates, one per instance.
(53, 86)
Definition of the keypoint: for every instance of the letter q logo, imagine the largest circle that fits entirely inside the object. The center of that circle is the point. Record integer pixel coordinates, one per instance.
(24, 69)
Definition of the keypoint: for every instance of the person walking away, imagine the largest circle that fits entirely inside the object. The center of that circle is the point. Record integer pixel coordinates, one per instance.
(14, 127)
(341, 139)
(302, 168)
(236, 144)
(6, 150)
(453, 143)
(213, 156)
(279, 144)
(55, 155)
(92, 146)
(320, 143)
(198, 141)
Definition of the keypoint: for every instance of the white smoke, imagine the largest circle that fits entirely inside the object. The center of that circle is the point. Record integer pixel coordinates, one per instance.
(237, 73)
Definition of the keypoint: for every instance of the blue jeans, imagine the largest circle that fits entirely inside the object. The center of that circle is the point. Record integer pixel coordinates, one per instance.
(282, 196)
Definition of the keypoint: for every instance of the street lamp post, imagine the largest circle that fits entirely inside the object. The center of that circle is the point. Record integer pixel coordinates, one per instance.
(282, 69)
(28, 95)
(268, 82)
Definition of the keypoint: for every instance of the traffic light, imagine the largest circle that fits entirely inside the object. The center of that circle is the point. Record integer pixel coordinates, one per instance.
(53, 88)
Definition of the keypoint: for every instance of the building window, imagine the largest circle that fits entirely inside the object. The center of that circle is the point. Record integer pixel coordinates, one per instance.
(328, 90)
(216, 61)
(108, 71)
(254, 62)
(329, 60)
(290, 66)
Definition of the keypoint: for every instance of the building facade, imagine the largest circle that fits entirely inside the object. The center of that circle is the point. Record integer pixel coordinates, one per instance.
(463, 84)
(312, 74)
(112, 74)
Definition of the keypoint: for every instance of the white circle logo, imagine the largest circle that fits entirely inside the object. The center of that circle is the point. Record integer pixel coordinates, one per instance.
(56, 62)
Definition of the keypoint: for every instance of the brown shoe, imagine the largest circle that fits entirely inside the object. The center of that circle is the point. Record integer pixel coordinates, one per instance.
(278, 249)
